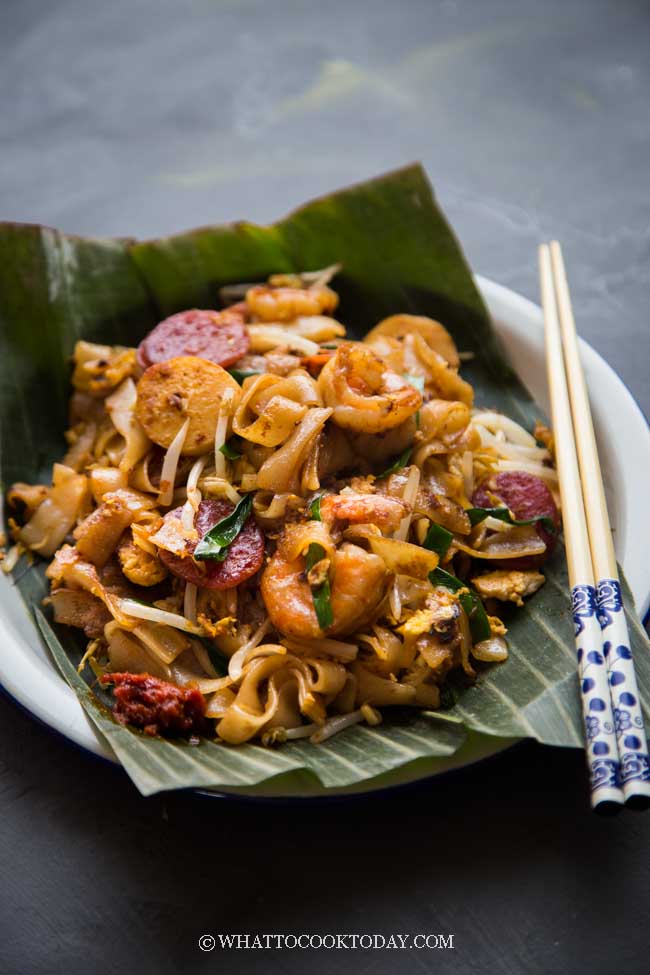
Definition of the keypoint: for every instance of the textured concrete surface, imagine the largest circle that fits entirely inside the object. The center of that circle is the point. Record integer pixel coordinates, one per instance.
(147, 117)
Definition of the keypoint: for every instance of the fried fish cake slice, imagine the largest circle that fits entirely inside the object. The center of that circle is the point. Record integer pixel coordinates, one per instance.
(180, 389)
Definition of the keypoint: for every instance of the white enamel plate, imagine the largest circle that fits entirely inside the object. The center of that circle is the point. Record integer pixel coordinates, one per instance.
(27, 674)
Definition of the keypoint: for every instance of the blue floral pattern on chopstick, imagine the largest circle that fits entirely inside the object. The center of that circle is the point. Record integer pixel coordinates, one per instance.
(609, 601)
(583, 600)
(601, 744)
(628, 718)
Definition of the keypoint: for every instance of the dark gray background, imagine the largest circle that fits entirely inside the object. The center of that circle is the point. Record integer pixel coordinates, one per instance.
(145, 117)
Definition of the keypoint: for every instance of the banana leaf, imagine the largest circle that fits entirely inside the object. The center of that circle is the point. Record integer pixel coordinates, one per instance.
(398, 255)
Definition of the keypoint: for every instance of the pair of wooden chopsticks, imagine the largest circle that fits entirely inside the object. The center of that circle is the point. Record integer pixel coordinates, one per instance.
(616, 747)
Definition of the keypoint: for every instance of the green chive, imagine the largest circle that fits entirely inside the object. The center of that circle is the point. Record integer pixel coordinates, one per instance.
(479, 623)
(229, 452)
(477, 515)
(314, 508)
(214, 544)
(315, 553)
(398, 464)
(321, 594)
(438, 540)
(440, 577)
(478, 620)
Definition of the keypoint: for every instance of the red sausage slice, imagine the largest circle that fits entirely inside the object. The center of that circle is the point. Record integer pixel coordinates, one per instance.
(527, 496)
(219, 336)
(245, 554)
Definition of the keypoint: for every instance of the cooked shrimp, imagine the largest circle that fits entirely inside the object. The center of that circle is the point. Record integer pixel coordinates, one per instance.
(391, 351)
(441, 379)
(398, 327)
(286, 304)
(364, 509)
(365, 393)
(358, 582)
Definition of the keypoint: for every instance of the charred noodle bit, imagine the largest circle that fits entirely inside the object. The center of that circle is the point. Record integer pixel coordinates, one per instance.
(240, 567)
(320, 585)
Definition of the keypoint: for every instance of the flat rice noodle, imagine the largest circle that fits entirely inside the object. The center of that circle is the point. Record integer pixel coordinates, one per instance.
(121, 409)
(57, 514)
(106, 479)
(518, 542)
(381, 691)
(281, 471)
(403, 558)
(128, 654)
(98, 535)
(165, 642)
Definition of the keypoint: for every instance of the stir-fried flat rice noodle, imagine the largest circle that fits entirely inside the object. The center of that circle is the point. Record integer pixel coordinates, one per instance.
(281, 531)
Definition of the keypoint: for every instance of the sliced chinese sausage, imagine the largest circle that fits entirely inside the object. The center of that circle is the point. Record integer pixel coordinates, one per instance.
(186, 388)
(244, 557)
(527, 496)
(434, 334)
(219, 336)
